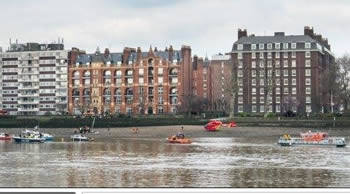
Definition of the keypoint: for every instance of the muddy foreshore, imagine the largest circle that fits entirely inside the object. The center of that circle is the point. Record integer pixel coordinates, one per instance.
(103, 134)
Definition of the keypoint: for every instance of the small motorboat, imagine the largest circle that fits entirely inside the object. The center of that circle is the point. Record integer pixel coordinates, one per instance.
(80, 137)
(29, 139)
(5, 136)
(46, 136)
(180, 140)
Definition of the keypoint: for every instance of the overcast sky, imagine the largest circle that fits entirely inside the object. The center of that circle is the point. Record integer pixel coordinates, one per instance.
(208, 26)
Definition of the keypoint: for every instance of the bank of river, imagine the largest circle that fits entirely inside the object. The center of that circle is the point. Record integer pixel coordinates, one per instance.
(102, 134)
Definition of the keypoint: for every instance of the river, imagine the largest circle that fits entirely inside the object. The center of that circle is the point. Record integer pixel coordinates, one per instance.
(208, 162)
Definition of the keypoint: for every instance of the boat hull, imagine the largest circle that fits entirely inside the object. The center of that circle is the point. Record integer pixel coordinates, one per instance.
(179, 141)
(28, 140)
(335, 141)
(5, 138)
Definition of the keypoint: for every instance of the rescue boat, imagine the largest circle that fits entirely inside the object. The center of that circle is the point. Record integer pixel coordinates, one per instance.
(215, 125)
(175, 139)
(312, 138)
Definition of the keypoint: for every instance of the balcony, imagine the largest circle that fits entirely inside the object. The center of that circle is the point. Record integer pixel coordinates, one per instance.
(28, 101)
(29, 72)
(28, 80)
(21, 87)
(28, 95)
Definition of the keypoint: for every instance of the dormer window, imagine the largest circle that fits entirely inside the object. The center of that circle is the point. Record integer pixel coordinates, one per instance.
(129, 62)
(87, 63)
(307, 45)
(294, 45)
(261, 46)
(174, 61)
(277, 46)
(269, 46)
(108, 62)
(253, 46)
(119, 63)
(285, 45)
(240, 47)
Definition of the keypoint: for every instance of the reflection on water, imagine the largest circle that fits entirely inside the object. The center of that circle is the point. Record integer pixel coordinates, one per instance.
(209, 162)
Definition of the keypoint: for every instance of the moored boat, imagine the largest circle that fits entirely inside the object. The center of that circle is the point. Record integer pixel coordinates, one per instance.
(312, 138)
(46, 136)
(33, 139)
(79, 137)
(5, 136)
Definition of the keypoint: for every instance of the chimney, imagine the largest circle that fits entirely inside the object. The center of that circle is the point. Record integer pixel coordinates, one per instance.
(106, 52)
(242, 33)
(309, 31)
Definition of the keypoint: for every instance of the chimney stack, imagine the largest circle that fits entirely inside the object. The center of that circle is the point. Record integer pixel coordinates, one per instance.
(309, 31)
(242, 33)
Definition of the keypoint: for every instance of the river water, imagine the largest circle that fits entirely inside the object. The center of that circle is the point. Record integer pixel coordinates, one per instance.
(209, 162)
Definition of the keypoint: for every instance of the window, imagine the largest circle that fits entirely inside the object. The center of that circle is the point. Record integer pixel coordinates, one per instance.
(269, 55)
(141, 80)
(285, 55)
(277, 63)
(294, 72)
(253, 55)
(307, 90)
(240, 47)
(262, 73)
(253, 46)
(294, 81)
(240, 65)
(307, 63)
(240, 82)
(240, 73)
(254, 108)
(294, 45)
(278, 90)
(285, 91)
(262, 108)
(253, 91)
(269, 46)
(278, 72)
(278, 99)
(261, 46)
(277, 45)
(308, 99)
(261, 55)
(240, 91)
(160, 80)
(307, 54)
(239, 55)
(253, 82)
(307, 45)
(262, 81)
(277, 55)
(261, 64)
(307, 72)
(285, 63)
(240, 100)
(307, 81)
(160, 71)
(262, 99)
(285, 45)
(294, 63)
(253, 73)
(253, 64)
(308, 108)
(261, 90)
(285, 82)
(294, 90)
(253, 100)
(285, 72)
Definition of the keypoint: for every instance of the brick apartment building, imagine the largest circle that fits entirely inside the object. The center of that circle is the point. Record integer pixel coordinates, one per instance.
(34, 79)
(129, 82)
(291, 68)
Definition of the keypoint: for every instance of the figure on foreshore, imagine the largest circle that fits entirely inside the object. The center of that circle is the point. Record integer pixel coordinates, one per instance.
(182, 128)
(135, 130)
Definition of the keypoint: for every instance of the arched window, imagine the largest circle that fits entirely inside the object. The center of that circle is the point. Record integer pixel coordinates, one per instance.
(107, 92)
(87, 74)
(118, 91)
(173, 91)
(129, 91)
(118, 73)
(86, 92)
(75, 92)
(107, 73)
(76, 74)
(173, 71)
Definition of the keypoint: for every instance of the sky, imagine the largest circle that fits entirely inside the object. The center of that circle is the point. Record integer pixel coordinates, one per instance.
(208, 26)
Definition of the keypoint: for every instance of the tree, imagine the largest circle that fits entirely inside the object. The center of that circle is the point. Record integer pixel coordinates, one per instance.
(269, 85)
(232, 87)
(342, 80)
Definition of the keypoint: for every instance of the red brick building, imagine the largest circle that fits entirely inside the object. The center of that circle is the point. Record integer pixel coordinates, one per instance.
(288, 71)
(130, 82)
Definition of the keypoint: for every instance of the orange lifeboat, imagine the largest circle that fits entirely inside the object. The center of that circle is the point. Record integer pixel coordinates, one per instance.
(175, 139)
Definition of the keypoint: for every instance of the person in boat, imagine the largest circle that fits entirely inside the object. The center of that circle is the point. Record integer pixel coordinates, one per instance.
(81, 130)
(180, 135)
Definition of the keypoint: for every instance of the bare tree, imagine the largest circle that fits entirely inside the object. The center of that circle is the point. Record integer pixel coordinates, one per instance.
(342, 69)
(269, 85)
(232, 86)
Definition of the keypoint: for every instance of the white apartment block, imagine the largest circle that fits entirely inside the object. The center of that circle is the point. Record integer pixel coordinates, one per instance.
(34, 79)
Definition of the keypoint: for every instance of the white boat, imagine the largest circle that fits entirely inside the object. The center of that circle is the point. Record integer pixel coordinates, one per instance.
(79, 137)
(316, 138)
(46, 136)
